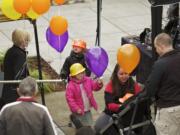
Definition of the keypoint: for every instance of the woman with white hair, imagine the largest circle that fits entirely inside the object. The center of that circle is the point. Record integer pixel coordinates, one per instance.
(25, 116)
(15, 65)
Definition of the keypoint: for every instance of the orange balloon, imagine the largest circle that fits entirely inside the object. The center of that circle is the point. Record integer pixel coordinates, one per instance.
(22, 6)
(58, 25)
(128, 57)
(59, 2)
(41, 6)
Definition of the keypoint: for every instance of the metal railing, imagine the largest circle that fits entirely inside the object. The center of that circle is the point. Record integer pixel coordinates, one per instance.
(38, 81)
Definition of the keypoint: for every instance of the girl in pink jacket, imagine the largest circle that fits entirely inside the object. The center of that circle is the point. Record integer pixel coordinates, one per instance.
(79, 94)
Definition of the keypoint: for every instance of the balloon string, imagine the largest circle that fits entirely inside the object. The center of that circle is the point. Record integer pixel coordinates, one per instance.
(59, 10)
(24, 25)
(59, 45)
(49, 16)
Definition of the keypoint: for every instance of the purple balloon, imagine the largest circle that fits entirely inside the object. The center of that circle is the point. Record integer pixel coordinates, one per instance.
(57, 42)
(97, 60)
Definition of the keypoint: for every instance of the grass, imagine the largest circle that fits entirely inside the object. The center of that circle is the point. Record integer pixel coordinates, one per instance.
(35, 74)
(1, 57)
(1, 60)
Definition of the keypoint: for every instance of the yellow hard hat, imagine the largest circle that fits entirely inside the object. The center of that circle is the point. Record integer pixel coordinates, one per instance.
(76, 68)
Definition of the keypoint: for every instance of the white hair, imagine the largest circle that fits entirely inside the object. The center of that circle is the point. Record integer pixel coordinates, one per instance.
(28, 87)
(20, 36)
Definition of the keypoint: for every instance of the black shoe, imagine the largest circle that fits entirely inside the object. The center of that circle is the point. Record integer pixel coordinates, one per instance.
(77, 123)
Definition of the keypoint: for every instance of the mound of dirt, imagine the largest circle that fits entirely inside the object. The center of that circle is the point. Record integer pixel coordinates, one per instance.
(48, 71)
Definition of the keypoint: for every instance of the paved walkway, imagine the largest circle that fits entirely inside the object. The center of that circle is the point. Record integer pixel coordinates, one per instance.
(59, 131)
(119, 18)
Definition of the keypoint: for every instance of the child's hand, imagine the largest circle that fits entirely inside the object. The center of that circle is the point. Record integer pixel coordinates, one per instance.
(98, 112)
(79, 111)
(100, 81)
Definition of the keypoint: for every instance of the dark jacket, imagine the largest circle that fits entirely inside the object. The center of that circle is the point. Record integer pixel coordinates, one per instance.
(25, 117)
(164, 80)
(113, 104)
(73, 58)
(112, 101)
(15, 67)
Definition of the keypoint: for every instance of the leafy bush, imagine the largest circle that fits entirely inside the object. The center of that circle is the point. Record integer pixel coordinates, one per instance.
(1, 60)
(35, 74)
(1, 57)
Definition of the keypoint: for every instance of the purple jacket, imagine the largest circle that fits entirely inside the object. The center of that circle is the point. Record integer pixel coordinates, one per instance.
(73, 93)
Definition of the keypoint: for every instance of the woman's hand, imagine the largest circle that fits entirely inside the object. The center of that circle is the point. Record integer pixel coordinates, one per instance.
(121, 100)
(127, 96)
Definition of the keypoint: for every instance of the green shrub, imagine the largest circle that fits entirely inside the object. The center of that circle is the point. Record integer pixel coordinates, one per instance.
(2, 57)
(35, 74)
(2, 54)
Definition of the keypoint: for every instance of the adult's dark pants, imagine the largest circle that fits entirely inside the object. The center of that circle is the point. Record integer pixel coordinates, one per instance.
(9, 95)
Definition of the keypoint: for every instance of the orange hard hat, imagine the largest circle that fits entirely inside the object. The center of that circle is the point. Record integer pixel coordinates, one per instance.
(79, 43)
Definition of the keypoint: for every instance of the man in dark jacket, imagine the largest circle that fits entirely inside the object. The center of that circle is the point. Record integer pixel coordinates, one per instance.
(76, 56)
(164, 84)
(15, 65)
(25, 116)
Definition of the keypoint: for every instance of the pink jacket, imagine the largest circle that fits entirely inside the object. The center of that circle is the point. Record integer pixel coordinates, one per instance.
(73, 93)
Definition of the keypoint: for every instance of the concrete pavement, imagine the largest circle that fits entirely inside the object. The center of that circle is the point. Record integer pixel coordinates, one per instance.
(119, 18)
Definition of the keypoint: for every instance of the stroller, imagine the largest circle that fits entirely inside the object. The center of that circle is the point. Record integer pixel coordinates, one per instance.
(134, 118)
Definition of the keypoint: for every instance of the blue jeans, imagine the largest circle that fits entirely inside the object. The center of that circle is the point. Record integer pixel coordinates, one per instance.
(85, 119)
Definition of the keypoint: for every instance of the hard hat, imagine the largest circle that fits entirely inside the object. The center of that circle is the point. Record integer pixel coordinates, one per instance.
(79, 43)
(76, 68)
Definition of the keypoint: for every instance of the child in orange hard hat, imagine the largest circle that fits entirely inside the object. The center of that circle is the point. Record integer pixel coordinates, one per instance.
(76, 56)
(79, 94)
